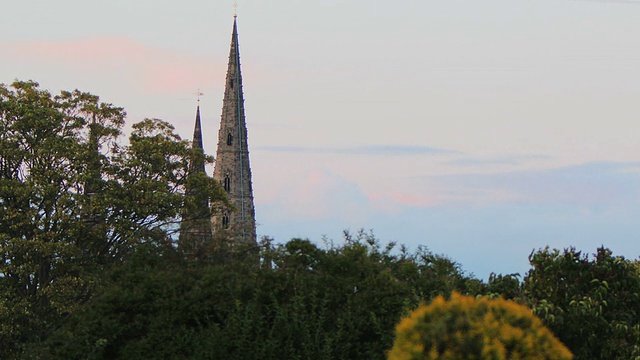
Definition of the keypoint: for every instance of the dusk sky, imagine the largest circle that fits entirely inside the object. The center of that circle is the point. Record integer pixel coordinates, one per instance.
(482, 129)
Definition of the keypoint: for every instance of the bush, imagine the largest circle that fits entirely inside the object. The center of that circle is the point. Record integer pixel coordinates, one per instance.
(468, 328)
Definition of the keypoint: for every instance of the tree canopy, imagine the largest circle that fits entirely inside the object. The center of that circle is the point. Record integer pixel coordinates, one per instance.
(301, 302)
(591, 303)
(74, 200)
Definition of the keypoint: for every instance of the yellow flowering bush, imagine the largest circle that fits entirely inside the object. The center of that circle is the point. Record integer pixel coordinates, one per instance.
(468, 328)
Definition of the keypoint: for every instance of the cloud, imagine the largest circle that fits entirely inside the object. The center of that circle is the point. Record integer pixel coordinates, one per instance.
(372, 150)
(498, 160)
(487, 222)
(631, 2)
(319, 194)
(600, 184)
(119, 59)
(496, 237)
(391, 201)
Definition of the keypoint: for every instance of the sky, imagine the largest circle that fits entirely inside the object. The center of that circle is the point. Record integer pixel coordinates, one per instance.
(481, 129)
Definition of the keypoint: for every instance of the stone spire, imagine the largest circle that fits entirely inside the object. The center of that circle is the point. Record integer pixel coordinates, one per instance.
(197, 163)
(232, 167)
(195, 227)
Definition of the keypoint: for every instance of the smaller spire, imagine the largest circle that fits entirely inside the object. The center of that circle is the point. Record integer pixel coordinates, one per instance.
(235, 10)
(197, 131)
(195, 226)
(197, 136)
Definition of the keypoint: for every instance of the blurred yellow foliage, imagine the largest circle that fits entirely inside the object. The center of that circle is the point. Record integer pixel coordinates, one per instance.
(474, 328)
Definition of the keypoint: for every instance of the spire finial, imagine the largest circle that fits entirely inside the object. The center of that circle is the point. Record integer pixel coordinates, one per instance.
(198, 94)
(235, 9)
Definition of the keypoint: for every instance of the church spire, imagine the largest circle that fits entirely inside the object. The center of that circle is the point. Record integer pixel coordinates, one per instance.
(197, 164)
(232, 167)
(195, 227)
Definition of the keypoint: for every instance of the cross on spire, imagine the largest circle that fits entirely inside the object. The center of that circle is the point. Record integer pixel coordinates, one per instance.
(198, 94)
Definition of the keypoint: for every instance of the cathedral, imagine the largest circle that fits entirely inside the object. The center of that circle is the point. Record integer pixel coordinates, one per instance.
(232, 170)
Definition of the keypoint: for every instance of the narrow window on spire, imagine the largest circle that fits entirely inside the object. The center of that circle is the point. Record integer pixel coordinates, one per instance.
(227, 183)
(225, 220)
(229, 139)
(231, 84)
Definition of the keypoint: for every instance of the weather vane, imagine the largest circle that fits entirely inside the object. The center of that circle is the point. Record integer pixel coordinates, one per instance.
(235, 9)
(198, 94)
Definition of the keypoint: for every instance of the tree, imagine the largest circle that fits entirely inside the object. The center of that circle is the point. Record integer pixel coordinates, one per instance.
(464, 327)
(74, 202)
(507, 286)
(151, 308)
(304, 301)
(591, 304)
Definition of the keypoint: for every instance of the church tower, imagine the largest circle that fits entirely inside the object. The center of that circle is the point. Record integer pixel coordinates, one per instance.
(232, 167)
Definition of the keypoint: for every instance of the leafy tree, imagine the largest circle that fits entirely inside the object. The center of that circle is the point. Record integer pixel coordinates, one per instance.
(431, 275)
(475, 328)
(507, 286)
(302, 302)
(591, 304)
(150, 310)
(73, 201)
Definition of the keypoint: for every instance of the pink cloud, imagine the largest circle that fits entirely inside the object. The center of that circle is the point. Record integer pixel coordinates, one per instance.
(317, 194)
(321, 194)
(98, 49)
(405, 199)
(133, 63)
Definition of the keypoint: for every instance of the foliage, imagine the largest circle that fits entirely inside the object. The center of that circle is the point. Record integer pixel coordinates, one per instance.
(468, 328)
(74, 202)
(300, 302)
(507, 286)
(591, 304)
